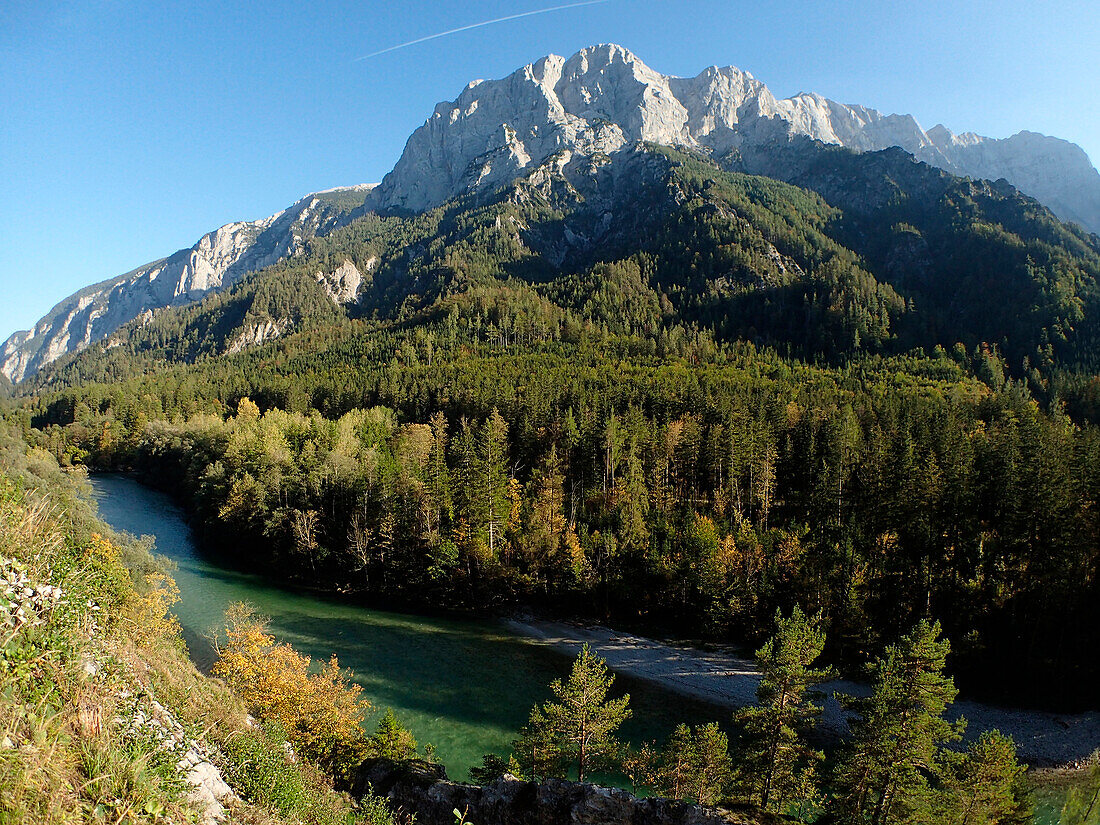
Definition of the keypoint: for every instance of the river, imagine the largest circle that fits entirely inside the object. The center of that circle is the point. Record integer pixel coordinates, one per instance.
(464, 685)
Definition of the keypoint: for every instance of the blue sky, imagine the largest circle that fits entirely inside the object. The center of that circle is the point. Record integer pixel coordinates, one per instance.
(128, 129)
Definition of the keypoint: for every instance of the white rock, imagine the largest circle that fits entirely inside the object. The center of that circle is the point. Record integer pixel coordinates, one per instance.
(257, 334)
(217, 260)
(604, 97)
(209, 791)
(344, 282)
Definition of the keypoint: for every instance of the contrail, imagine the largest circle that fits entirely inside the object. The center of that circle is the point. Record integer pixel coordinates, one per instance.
(478, 26)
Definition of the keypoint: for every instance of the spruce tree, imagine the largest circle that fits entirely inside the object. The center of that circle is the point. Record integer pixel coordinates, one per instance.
(884, 776)
(777, 766)
(492, 479)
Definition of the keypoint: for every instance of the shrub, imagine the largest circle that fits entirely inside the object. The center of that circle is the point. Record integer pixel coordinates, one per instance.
(321, 712)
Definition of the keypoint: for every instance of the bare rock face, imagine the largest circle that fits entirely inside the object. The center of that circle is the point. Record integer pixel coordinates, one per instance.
(217, 260)
(257, 334)
(344, 282)
(423, 789)
(604, 98)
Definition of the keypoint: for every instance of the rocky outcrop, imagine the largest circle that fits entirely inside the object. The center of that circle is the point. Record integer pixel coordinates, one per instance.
(218, 259)
(256, 334)
(344, 282)
(423, 789)
(604, 98)
(208, 792)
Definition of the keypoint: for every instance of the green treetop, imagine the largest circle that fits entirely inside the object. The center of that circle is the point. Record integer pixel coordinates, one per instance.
(777, 766)
(693, 764)
(984, 786)
(884, 777)
(392, 740)
(578, 730)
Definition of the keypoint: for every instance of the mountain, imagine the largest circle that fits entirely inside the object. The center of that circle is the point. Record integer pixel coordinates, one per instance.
(561, 119)
(218, 259)
(604, 98)
(851, 254)
(697, 395)
(679, 385)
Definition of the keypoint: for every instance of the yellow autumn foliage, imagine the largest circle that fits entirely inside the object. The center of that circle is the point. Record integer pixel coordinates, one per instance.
(101, 548)
(320, 712)
(149, 613)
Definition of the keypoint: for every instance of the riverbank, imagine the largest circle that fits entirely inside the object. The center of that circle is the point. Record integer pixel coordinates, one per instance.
(462, 683)
(720, 677)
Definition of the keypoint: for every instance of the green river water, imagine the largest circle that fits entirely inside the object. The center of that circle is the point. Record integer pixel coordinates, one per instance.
(466, 686)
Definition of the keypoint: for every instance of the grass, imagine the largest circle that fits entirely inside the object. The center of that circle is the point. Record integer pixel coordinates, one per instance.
(89, 653)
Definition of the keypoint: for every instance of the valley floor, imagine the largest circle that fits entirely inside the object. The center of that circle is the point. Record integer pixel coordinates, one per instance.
(719, 676)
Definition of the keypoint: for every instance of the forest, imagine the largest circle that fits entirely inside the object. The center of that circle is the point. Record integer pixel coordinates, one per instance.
(736, 396)
(692, 498)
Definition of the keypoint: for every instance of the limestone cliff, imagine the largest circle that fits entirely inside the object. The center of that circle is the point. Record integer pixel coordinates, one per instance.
(604, 98)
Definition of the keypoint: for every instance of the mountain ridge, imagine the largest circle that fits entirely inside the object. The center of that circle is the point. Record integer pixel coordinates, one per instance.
(219, 258)
(567, 116)
(604, 97)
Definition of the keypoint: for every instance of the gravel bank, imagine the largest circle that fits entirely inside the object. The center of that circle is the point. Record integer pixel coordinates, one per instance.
(722, 678)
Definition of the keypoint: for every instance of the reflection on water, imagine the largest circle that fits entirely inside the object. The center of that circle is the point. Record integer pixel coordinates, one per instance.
(466, 686)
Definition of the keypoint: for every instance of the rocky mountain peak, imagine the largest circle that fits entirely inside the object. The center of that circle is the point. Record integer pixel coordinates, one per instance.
(604, 98)
(568, 116)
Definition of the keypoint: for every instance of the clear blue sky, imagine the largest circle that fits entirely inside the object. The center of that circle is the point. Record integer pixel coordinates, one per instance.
(128, 129)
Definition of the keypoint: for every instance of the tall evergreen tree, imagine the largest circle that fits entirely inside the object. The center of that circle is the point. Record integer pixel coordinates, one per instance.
(712, 769)
(983, 785)
(538, 748)
(578, 730)
(492, 479)
(884, 776)
(694, 763)
(439, 476)
(777, 766)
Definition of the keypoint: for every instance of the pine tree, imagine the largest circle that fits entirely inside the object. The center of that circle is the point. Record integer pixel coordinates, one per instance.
(693, 764)
(391, 739)
(983, 785)
(778, 767)
(640, 766)
(493, 767)
(712, 769)
(579, 729)
(674, 763)
(538, 749)
(883, 778)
